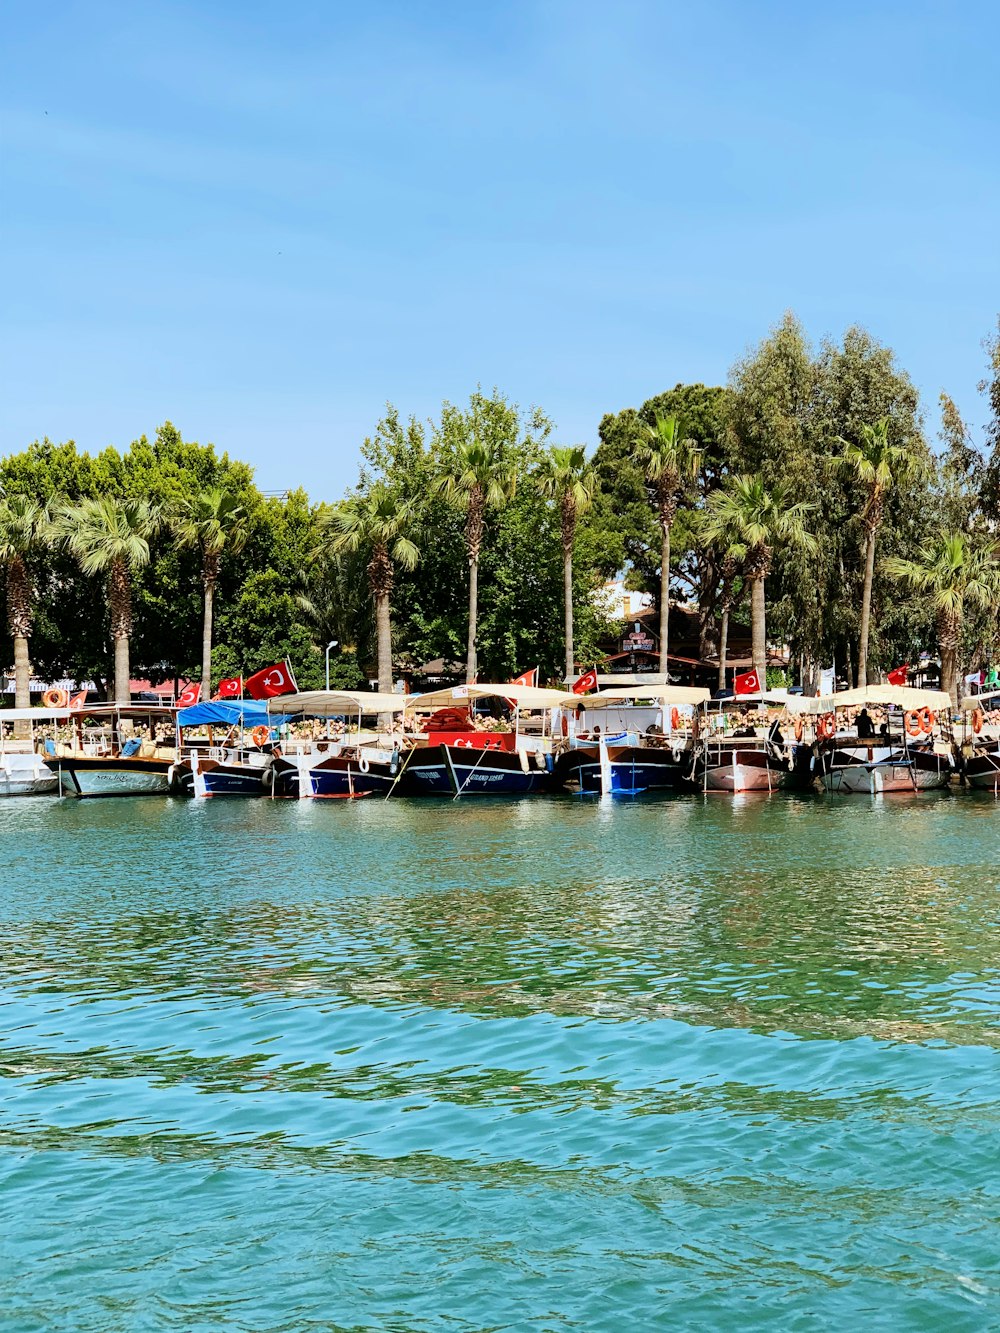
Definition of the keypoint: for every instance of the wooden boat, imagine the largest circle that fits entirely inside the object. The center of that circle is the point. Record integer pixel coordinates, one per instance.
(978, 757)
(112, 757)
(339, 764)
(23, 770)
(743, 759)
(907, 761)
(236, 765)
(453, 756)
(652, 751)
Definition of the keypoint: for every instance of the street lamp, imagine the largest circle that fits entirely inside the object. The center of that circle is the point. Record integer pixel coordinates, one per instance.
(332, 644)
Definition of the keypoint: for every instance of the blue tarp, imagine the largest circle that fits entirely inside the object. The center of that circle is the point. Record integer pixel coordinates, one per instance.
(224, 714)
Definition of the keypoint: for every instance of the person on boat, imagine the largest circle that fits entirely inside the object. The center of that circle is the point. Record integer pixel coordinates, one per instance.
(866, 727)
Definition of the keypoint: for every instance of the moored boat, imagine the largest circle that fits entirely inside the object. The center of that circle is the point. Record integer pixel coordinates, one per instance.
(855, 759)
(117, 750)
(461, 753)
(237, 764)
(746, 758)
(338, 764)
(649, 748)
(23, 770)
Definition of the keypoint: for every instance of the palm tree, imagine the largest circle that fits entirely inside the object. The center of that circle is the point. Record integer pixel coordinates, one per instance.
(111, 536)
(877, 465)
(376, 521)
(475, 476)
(213, 521)
(952, 574)
(669, 462)
(730, 568)
(25, 529)
(750, 523)
(566, 476)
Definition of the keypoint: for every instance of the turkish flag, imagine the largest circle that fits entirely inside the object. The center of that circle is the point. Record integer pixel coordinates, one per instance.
(586, 683)
(272, 681)
(749, 683)
(189, 695)
(230, 689)
(899, 676)
(526, 677)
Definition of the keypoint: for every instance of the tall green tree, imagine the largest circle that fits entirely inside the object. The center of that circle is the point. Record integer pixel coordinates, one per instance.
(111, 537)
(211, 521)
(376, 521)
(475, 476)
(750, 522)
(567, 478)
(669, 460)
(877, 464)
(954, 575)
(25, 530)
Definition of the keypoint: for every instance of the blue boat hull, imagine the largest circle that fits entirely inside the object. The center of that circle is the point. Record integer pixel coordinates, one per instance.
(634, 769)
(452, 770)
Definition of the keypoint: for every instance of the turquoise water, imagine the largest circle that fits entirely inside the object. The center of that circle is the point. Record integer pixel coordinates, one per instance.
(548, 1065)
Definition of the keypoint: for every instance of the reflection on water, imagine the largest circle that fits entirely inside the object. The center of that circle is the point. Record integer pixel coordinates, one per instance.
(565, 1064)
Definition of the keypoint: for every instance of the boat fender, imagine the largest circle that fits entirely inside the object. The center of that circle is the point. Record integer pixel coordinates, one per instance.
(565, 725)
(927, 720)
(267, 777)
(55, 698)
(260, 736)
(363, 763)
(912, 723)
(675, 720)
(171, 774)
(977, 720)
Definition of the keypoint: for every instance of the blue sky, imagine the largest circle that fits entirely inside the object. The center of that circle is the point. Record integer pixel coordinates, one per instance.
(262, 221)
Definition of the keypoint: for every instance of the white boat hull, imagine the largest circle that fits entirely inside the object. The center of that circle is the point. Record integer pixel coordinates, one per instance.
(114, 781)
(26, 775)
(735, 776)
(880, 779)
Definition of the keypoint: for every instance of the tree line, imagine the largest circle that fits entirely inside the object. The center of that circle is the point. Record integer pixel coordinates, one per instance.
(804, 498)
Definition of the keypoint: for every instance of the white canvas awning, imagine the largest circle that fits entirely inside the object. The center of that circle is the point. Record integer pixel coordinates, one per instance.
(903, 696)
(525, 697)
(335, 703)
(664, 695)
(34, 714)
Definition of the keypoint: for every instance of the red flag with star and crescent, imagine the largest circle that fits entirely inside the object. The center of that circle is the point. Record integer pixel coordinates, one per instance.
(586, 683)
(899, 675)
(271, 681)
(748, 683)
(190, 695)
(232, 688)
(526, 678)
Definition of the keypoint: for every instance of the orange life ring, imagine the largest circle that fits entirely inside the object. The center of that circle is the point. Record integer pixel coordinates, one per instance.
(798, 728)
(675, 720)
(260, 735)
(826, 728)
(927, 720)
(55, 699)
(977, 721)
(912, 723)
(565, 725)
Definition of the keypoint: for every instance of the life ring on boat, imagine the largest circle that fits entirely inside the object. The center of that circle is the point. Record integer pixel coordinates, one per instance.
(565, 725)
(977, 721)
(927, 720)
(55, 698)
(675, 720)
(363, 763)
(912, 723)
(826, 727)
(260, 736)
(798, 729)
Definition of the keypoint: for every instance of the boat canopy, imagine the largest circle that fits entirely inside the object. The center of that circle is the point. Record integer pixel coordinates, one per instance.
(34, 714)
(522, 696)
(665, 695)
(335, 703)
(969, 704)
(904, 696)
(244, 712)
(773, 697)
